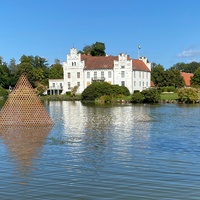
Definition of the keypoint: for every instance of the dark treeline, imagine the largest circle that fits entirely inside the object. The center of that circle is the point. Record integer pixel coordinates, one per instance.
(172, 76)
(36, 68)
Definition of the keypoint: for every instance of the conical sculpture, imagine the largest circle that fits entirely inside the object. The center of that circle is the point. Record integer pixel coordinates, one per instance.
(23, 107)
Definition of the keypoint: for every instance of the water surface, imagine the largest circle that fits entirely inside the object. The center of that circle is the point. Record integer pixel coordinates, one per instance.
(145, 152)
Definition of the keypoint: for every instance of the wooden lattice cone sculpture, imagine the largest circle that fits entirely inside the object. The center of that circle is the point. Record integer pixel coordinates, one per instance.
(23, 107)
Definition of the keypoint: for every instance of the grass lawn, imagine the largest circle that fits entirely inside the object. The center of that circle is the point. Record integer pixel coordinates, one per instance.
(169, 96)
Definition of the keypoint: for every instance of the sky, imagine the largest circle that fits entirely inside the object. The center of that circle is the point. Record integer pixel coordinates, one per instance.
(168, 31)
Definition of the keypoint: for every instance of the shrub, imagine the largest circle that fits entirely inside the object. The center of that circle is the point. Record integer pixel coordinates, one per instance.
(98, 89)
(168, 89)
(105, 99)
(137, 97)
(188, 95)
(151, 96)
(116, 90)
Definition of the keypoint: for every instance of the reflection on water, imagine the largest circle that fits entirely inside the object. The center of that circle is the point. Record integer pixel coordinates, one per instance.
(144, 152)
(24, 144)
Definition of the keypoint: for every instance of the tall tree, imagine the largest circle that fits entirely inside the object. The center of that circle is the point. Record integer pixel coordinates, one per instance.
(4, 74)
(174, 78)
(28, 69)
(158, 75)
(97, 49)
(195, 80)
(56, 70)
(189, 67)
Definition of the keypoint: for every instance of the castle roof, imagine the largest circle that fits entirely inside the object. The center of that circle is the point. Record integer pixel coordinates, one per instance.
(107, 62)
(139, 65)
(98, 62)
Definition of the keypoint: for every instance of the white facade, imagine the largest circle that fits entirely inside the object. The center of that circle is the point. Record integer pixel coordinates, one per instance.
(82, 70)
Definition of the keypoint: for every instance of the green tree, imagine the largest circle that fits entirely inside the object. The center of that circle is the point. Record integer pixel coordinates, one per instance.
(28, 70)
(195, 80)
(4, 74)
(173, 78)
(56, 70)
(97, 49)
(12, 66)
(189, 67)
(35, 68)
(158, 75)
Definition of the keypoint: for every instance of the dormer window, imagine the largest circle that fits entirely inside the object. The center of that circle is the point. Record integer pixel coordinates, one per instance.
(73, 63)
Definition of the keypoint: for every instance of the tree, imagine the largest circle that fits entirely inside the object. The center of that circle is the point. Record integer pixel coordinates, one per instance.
(28, 70)
(56, 71)
(36, 69)
(195, 80)
(174, 78)
(189, 67)
(164, 78)
(158, 75)
(97, 49)
(4, 74)
(12, 66)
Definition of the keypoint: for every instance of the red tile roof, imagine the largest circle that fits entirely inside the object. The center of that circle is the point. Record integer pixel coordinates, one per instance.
(107, 62)
(139, 65)
(187, 77)
(99, 62)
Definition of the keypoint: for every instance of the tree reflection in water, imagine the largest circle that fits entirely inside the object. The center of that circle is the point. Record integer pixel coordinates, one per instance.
(24, 144)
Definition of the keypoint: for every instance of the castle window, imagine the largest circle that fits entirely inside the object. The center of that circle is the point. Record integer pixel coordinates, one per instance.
(123, 83)
(122, 74)
(78, 84)
(88, 74)
(78, 74)
(102, 74)
(68, 75)
(95, 75)
(109, 74)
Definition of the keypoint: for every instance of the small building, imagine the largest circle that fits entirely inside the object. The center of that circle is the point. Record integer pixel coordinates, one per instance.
(82, 70)
(55, 86)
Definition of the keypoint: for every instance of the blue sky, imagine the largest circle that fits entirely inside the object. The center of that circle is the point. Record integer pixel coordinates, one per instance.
(167, 30)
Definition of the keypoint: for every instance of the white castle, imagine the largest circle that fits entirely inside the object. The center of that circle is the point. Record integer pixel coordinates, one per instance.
(81, 70)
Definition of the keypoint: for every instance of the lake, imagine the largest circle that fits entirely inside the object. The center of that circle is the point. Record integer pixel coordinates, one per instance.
(137, 152)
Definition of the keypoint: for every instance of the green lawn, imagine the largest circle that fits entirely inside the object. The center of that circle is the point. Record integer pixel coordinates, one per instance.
(169, 96)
